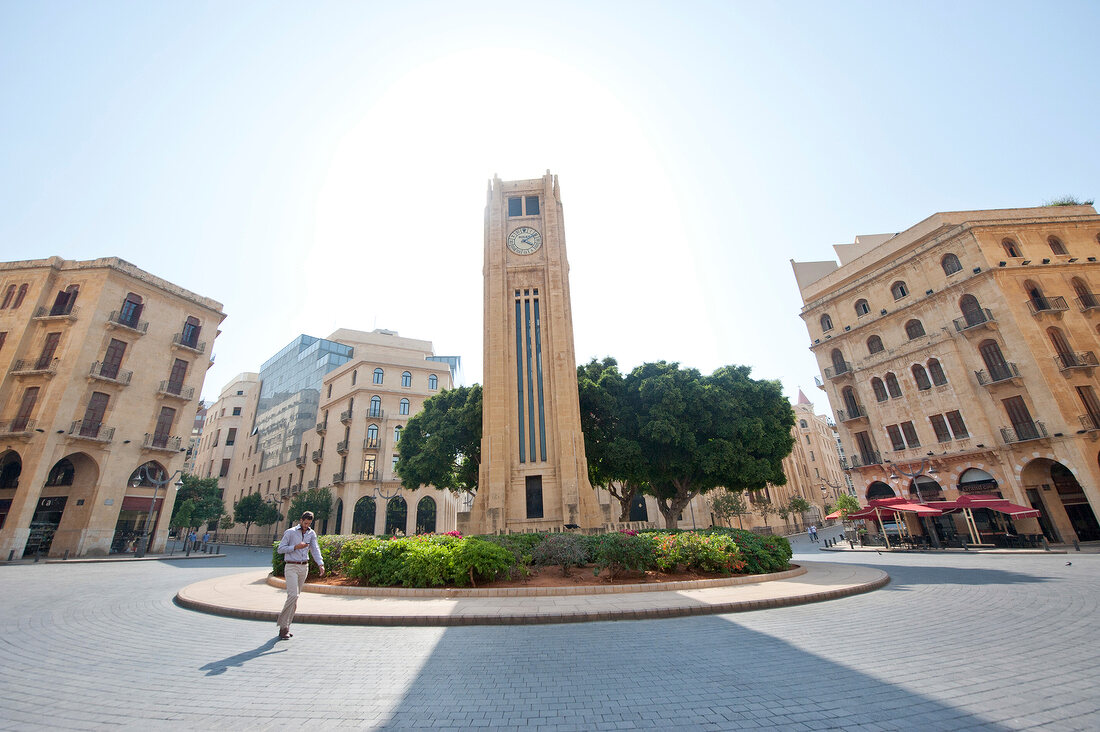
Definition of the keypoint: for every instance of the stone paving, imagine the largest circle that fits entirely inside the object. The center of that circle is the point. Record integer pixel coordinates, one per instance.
(954, 642)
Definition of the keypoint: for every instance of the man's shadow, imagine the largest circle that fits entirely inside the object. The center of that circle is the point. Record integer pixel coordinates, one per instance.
(215, 668)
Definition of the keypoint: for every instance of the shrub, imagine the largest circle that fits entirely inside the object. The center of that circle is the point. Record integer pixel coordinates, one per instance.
(379, 563)
(704, 552)
(561, 550)
(623, 551)
(762, 554)
(474, 558)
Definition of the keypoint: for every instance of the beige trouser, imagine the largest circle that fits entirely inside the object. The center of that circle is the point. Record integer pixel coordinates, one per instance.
(295, 575)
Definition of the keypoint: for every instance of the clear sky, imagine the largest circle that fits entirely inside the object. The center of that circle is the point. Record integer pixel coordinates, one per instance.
(322, 165)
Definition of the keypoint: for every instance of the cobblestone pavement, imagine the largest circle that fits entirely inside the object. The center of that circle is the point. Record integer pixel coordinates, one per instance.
(953, 642)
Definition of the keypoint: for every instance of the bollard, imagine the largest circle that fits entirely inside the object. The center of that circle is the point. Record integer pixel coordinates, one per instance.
(219, 549)
(851, 545)
(11, 555)
(966, 548)
(65, 556)
(37, 554)
(1046, 545)
(1076, 546)
(188, 548)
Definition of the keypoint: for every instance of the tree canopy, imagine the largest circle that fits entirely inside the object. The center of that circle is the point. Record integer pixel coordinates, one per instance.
(253, 509)
(441, 445)
(613, 451)
(847, 504)
(317, 500)
(198, 501)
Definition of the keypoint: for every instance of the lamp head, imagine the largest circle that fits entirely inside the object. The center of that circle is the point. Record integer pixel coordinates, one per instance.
(179, 483)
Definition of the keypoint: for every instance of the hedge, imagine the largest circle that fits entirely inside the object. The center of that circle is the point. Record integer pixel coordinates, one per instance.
(431, 560)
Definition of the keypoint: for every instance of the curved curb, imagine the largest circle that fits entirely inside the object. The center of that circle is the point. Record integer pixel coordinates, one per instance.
(532, 616)
(457, 592)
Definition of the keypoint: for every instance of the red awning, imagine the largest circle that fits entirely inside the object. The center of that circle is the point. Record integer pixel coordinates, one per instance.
(1010, 509)
(894, 505)
(834, 515)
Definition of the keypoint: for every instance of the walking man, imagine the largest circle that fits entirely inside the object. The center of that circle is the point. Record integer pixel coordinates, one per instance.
(813, 533)
(299, 542)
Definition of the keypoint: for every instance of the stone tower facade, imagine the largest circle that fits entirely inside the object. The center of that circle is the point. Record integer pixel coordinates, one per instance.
(534, 474)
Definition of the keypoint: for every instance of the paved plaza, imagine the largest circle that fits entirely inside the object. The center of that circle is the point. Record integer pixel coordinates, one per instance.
(953, 642)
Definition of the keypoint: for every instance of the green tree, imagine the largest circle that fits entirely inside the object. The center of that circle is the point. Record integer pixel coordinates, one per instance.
(181, 514)
(205, 498)
(249, 510)
(267, 515)
(847, 504)
(613, 451)
(783, 510)
(698, 433)
(318, 500)
(727, 504)
(441, 445)
(765, 508)
(798, 506)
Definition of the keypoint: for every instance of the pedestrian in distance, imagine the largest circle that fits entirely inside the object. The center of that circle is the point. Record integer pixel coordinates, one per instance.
(298, 544)
(205, 539)
(813, 533)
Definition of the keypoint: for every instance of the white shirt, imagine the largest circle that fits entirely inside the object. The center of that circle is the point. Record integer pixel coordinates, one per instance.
(294, 536)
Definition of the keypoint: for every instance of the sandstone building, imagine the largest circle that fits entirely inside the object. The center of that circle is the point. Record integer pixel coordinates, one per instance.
(960, 358)
(534, 473)
(102, 366)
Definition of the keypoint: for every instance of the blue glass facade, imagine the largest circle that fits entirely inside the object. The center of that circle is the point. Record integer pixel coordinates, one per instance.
(290, 393)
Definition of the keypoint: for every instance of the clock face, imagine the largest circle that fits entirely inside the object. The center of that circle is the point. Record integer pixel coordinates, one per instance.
(524, 240)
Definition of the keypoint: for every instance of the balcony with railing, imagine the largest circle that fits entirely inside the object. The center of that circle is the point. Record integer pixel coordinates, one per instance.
(154, 441)
(376, 413)
(1040, 305)
(39, 367)
(850, 415)
(17, 427)
(95, 431)
(369, 474)
(975, 320)
(1078, 360)
(838, 369)
(131, 324)
(371, 443)
(111, 373)
(284, 492)
(819, 383)
(1087, 301)
(315, 456)
(295, 489)
(338, 477)
(189, 344)
(311, 484)
(300, 461)
(861, 460)
(345, 416)
(322, 427)
(1023, 432)
(57, 313)
(1089, 423)
(998, 374)
(179, 391)
(342, 447)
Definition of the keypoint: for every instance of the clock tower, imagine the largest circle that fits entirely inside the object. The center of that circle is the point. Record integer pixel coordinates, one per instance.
(534, 474)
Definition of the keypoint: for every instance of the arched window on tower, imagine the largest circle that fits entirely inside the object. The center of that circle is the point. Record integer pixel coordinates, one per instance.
(379, 374)
(862, 308)
(935, 370)
(826, 323)
(1056, 245)
(921, 377)
(950, 264)
(899, 290)
(880, 389)
(874, 344)
(19, 298)
(1085, 297)
(9, 295)
(892, 385)
(914, 329)
(1012, 249)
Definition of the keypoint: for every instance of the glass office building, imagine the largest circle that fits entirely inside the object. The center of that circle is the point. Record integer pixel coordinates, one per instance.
(290, 393)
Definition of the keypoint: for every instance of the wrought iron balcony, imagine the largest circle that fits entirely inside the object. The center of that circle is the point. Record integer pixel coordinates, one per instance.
(38, 367)
(94, 431)
(190, 344)
(109, 372)
(819, 383)
(845, 415)
(1039, 305)
(284, 492)
(322, 427)
(371, 443)
(160, 442)
(369, 474)
(1088, 423)
(179, 391)
(376, 413)
(295, 489)
(997, 374)
(861, 460)
(134, 325)
(974, 319)
(316, 456)
(311, 484)
(1087, 301)
(1080, 360)
(300, 461)
(342, 447)
(17, 427)
(838, 369)
(338, 477)
(1023, 432)
(345, 416)
(68, 313)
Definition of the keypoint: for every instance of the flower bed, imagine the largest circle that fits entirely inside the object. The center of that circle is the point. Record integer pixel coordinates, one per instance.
(451, 560)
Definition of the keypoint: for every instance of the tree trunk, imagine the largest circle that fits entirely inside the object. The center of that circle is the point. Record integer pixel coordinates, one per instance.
(625, 497)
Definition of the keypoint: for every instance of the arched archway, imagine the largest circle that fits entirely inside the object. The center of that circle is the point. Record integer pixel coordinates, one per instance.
(145, 482)
(63, 509)
(339, 520)
(878, 489)
(362, 521)
(925, 489)
(976, 480)
(425, 515)
(1053, 488)
(397, 513)
(11, 467)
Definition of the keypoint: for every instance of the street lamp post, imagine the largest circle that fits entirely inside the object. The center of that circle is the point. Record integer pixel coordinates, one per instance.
(916, 484)
(141, 475)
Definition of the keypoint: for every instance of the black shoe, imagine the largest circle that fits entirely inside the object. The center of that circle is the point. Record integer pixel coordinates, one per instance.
(285, 634)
